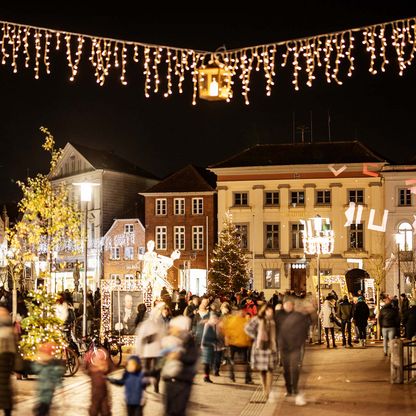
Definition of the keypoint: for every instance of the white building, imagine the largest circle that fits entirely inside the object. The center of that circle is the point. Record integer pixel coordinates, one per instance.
(269, 189)
(400, 202)
(117, 181)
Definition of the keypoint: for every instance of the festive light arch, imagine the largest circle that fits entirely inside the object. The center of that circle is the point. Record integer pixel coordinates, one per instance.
(328, 51)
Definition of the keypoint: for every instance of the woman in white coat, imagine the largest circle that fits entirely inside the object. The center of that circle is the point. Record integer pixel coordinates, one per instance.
(327, 316)
(148, 343)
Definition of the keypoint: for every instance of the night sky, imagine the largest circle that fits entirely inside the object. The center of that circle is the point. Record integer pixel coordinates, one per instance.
(162, 135)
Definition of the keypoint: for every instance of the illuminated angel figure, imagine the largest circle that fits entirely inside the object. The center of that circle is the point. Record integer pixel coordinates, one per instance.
(155, 268)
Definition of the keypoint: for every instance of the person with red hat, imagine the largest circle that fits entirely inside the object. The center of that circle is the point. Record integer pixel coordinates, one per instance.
(50, 371)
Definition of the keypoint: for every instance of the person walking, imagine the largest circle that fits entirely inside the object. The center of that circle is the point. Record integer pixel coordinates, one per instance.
(97, 365)
(404, 309)
(411, 320)
(361, 314)
(389, 321)
(181, 303)
(134, 382)
(7, 359)
(178, 386)
(237, 341)
(149, 334)
(327, 316)
(345, 313)
(50, 372)
(209, 345)
(141, 314)
(292, 328)
(201, 316)
(262, 329)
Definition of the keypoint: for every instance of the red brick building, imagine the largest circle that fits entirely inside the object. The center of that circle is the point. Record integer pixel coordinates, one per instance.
(122, 244)
(181, 213)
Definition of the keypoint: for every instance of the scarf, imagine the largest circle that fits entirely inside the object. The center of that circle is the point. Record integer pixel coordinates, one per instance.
(266, 335)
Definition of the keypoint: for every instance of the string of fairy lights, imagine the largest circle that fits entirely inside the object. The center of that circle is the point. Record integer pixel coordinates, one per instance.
(166, 68)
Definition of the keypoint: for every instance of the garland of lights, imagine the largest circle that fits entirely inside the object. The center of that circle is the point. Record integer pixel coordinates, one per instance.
(110, 286)
(328, 51)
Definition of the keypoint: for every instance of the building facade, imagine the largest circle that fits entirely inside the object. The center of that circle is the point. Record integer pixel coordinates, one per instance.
(400, 202)
(180, 213)
(122, 245)
(117, 183)
(269, 189)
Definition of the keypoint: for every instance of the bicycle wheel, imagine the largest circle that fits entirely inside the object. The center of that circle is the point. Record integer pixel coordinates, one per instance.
(71, 362)
(115, 352)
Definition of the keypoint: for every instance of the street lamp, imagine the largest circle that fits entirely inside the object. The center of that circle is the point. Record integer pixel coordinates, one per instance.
(318, 238)
(86, 196)
(398, 237)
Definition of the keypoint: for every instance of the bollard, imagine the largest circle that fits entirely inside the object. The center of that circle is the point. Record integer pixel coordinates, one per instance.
(396, 361)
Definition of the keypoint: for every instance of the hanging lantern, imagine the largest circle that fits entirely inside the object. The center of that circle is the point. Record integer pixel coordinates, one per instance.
(214, 82)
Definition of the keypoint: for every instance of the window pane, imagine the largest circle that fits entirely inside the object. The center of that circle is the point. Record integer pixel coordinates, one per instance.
(272, 198)
(240, 198)
(272, 236)
(272, 279)
(242, 231)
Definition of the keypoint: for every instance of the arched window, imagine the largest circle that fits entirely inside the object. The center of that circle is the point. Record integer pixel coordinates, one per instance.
(406, 236)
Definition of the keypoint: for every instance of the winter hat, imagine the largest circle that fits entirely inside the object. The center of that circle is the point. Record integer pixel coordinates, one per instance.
(180, 322)
(135, 358)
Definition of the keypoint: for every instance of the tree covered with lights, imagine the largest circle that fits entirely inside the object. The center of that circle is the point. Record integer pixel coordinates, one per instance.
(41, 325)
(49, 222)
(229, 270)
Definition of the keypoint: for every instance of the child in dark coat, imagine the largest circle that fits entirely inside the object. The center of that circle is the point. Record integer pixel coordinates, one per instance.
(97, 365)
(134, 382)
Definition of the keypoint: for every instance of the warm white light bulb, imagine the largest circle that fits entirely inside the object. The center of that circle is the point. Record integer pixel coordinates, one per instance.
(213, 88)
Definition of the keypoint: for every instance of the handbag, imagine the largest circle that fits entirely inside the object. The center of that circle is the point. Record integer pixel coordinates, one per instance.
(334, 320)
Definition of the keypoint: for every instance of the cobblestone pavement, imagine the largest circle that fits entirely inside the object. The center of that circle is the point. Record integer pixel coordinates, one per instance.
(335, 382)
(223, 397)
(347, 382)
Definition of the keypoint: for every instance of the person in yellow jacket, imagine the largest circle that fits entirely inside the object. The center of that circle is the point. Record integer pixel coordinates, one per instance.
(238, 341)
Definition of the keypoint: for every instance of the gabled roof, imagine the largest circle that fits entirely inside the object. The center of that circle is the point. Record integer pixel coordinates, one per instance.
(102, 159)
(302, 154)
(188, 179)
(116, 220)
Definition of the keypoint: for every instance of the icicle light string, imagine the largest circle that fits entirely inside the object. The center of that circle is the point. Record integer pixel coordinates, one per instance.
(330, 53)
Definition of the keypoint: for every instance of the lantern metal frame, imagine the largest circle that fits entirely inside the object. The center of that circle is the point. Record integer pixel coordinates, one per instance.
(215, 81)
(318, 238)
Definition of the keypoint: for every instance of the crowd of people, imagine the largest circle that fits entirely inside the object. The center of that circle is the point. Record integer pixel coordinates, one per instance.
(181, 331)
(70, 306)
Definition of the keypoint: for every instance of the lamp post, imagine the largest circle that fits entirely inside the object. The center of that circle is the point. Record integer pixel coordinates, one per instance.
(318, 238)
(398, 238)
(86, 196)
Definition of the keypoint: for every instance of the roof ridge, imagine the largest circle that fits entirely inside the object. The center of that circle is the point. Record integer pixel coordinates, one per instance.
(345, 151)
(131, 167)
(203, 181)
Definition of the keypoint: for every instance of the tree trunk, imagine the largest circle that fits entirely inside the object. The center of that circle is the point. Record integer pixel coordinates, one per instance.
(378, 311)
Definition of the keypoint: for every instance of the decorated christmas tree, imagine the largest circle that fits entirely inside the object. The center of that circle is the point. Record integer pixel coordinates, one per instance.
(41, 325)
(228, 264)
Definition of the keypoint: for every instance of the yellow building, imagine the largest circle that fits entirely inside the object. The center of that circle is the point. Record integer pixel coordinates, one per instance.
(269, 188)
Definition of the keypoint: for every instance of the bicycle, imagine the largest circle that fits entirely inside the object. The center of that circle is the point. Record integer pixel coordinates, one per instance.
(70, 357)
(94, 346)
